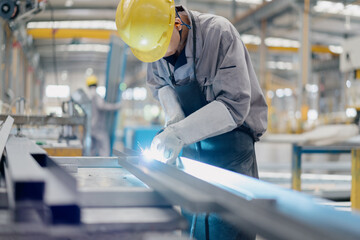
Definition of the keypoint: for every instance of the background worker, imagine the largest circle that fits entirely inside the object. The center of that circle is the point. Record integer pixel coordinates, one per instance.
(100, 139)
(201, 72)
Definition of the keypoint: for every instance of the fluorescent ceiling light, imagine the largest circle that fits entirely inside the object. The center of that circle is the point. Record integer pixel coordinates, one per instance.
(248, 1)
(280, 65)
(96, 24)
(270, 41)
(251, 39)
(337, 8)
(83, 48)
(69, 3)
(336, 49)
(281, 42)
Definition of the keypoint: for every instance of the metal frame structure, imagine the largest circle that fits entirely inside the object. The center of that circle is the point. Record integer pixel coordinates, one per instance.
(299, 150)
(39, 120)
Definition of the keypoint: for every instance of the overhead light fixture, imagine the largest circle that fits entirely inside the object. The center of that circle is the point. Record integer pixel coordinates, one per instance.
(69, 3)
(280, 65)
(336, 49)
(257, 2)
(337, 8)
(102, 48)
(95, 24)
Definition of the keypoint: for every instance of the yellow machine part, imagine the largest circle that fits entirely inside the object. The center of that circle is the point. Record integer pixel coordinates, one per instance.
(63, 151)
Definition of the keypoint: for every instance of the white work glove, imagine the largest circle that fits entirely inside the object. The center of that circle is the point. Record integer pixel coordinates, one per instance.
(170, 104)
(166, 146)
(211, 120)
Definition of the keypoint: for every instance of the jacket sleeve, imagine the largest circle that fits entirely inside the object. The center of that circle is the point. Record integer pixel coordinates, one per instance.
(231, 84)
(101, 104)
(154, 81)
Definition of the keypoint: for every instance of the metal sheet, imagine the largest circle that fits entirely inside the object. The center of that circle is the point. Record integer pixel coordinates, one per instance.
(89, 162)
(166, 180)
(219, 190)
(4, 133)
(132, 219)
(106, 178)
(45, 120)
(123, 197)
(300, 216)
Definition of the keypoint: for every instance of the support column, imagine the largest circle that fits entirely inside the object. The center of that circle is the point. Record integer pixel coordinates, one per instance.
(296, 168)
(2, 60)
(355, 180)
(305, 54)
(263, 54)
(233, 9)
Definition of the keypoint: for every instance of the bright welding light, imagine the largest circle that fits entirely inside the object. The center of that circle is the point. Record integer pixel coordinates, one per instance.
(150, 155)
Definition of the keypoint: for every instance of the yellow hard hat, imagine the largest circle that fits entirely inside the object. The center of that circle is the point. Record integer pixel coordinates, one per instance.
(146, 26)
(91, 80)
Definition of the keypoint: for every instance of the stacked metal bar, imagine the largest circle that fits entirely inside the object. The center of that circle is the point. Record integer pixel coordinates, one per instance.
(33, 176)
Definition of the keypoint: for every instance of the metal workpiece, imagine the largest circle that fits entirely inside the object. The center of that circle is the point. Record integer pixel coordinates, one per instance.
(40, 120)
(291, 215)
(247, 203)
(4, 132)
(101, 199)
(34, 176)
(88, 162)
(24, 175)
(175, 186)
(122, 197)
(125, 219)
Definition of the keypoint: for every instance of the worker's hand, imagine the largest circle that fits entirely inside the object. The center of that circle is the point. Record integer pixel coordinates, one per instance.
(167, 146)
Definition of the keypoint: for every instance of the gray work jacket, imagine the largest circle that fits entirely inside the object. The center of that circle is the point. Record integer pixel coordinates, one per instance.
(223, 70)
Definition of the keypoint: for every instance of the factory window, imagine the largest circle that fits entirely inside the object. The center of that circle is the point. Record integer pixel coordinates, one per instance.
(57, 91)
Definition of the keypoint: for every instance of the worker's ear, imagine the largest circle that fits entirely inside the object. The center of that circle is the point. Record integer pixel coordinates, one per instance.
(178, 25)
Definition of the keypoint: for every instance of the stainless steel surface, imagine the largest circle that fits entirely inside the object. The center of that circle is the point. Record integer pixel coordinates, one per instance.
(89, 162)
(121, 206)
(26, 177)
(238, 199)
(45, 120)
(4, 132)
(175, 186)
(122, 197)
(106, 178)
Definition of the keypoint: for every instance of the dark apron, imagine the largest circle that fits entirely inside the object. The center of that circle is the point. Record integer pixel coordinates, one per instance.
(232, 150)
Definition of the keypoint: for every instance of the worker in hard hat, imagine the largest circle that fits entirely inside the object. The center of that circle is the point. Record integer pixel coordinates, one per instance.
(201, 72)
(100, 139)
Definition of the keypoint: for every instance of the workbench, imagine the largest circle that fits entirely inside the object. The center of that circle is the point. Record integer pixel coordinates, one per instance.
(129, 197)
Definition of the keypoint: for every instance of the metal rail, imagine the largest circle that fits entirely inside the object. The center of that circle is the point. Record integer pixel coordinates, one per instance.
(238, 199)
(4, 132)
(26, 177)
(45, 120)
